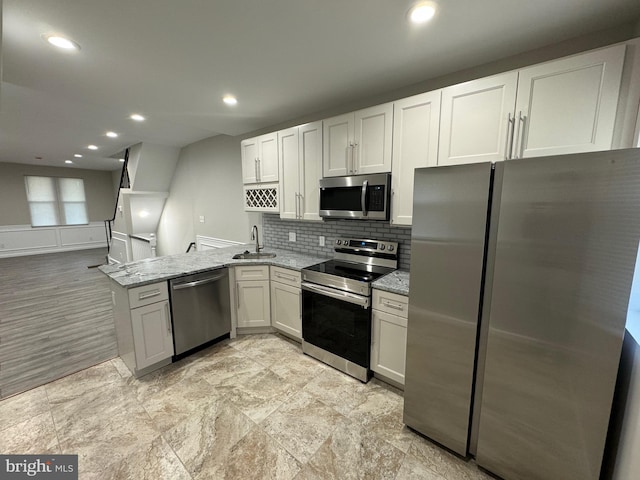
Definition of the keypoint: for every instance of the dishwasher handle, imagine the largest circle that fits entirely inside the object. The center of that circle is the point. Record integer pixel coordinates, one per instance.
(180, 286)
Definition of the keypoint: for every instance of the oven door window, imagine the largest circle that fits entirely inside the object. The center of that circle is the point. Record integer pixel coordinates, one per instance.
(339, 327)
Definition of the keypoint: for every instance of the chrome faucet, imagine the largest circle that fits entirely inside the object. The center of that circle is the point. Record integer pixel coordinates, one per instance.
(254, 236)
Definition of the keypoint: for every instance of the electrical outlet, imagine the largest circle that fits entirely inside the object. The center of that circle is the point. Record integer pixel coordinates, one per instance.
(201, 218)
(321, 240)
(292, 236)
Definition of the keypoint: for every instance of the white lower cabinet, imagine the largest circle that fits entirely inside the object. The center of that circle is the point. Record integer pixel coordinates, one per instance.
(143, 326)
(152, 334)
(253, 296)
(389, 335)
(286, 302)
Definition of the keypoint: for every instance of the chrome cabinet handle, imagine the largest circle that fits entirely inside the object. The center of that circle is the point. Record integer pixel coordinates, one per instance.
(395, 306)
(356, 149)
(363, 197)
(152, 293)
(350, 160)
(286, 277)
(255, 167)
(508, 147)
(520, 133)
(301, 201)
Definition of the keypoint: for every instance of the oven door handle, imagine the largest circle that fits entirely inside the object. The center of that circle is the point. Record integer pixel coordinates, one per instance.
(364, 302)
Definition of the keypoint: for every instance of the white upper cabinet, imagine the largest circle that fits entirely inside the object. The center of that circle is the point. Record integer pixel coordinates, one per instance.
(300, 155)
(358, 142)
(415, 144)
(568, 105)
(559, 107)
(290, 168)
(310, 155)
(477, 120)
(260, 159)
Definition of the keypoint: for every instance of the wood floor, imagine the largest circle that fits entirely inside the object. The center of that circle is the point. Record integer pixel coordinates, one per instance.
(55, 318)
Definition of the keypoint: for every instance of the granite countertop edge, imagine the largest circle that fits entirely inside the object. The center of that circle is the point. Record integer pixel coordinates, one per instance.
(394, 282)
(159, 269)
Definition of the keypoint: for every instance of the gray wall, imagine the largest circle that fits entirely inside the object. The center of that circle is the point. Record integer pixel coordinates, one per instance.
(207, 181)
(276, 235)
(98, 187)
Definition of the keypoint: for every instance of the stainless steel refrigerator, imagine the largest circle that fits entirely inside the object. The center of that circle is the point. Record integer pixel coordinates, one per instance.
(520, 281)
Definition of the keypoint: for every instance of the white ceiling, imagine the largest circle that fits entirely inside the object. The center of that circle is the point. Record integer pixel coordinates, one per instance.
(173, 60)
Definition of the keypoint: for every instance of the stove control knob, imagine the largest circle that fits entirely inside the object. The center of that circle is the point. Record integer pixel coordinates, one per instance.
(338, 242)
(345, 242)
(382, 246)
(390, 248)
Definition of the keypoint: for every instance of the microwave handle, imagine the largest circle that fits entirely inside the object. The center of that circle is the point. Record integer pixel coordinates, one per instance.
(363, 197)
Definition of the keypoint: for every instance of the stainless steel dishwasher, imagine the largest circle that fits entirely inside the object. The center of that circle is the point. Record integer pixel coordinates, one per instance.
(200, 309)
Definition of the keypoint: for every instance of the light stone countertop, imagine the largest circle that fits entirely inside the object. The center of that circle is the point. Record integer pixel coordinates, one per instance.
(394, 282)
(157, 269)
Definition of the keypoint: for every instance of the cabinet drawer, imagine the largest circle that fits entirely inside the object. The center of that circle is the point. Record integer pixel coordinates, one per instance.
(391, 303)
(148, 294)
(252, 272)
(286, 276)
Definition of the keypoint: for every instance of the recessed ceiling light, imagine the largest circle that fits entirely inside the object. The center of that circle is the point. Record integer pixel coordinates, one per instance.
(92, 147)
(144, 213)
(61, 42)
(121, 160)
(112, 134)
(230, 100)
(422, 12)
(68, 161)
(77, 155)
(137, 117)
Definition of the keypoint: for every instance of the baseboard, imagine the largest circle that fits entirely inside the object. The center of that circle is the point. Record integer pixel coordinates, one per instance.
(23, 240)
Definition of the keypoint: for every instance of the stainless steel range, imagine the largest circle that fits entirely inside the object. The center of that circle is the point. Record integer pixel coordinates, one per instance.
(336, 303)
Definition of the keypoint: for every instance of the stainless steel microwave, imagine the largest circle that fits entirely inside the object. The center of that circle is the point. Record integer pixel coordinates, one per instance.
(363, 197)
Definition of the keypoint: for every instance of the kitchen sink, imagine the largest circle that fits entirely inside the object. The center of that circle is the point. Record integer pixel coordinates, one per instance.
(252, 255)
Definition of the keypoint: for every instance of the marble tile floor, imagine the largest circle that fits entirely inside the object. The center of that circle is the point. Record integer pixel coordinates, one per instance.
(253, 407)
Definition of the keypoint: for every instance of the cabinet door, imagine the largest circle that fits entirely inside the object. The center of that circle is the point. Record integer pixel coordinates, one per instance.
(415, 144)
(290, 174)
(310, 155)
(569, 105)
(152, 334)
(268, 157)
(389, 345)
(337, 140)
(475, 120)
(254, 308)
(249, 153)
(372, 139)
(286, 314)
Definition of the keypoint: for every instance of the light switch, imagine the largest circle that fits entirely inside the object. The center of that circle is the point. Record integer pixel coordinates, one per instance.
(201, 218)
(321, 240)
(292, 236)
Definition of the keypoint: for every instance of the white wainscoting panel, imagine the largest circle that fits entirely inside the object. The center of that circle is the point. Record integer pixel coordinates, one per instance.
(208, 243)
(17, 240)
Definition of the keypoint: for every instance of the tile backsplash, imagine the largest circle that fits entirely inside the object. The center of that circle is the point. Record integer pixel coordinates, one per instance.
(276, 235)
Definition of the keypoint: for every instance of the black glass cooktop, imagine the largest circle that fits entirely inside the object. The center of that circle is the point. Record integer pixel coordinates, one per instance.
(350, 270)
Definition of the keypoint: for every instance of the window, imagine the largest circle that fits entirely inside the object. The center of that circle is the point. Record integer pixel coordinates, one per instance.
(56, 201)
